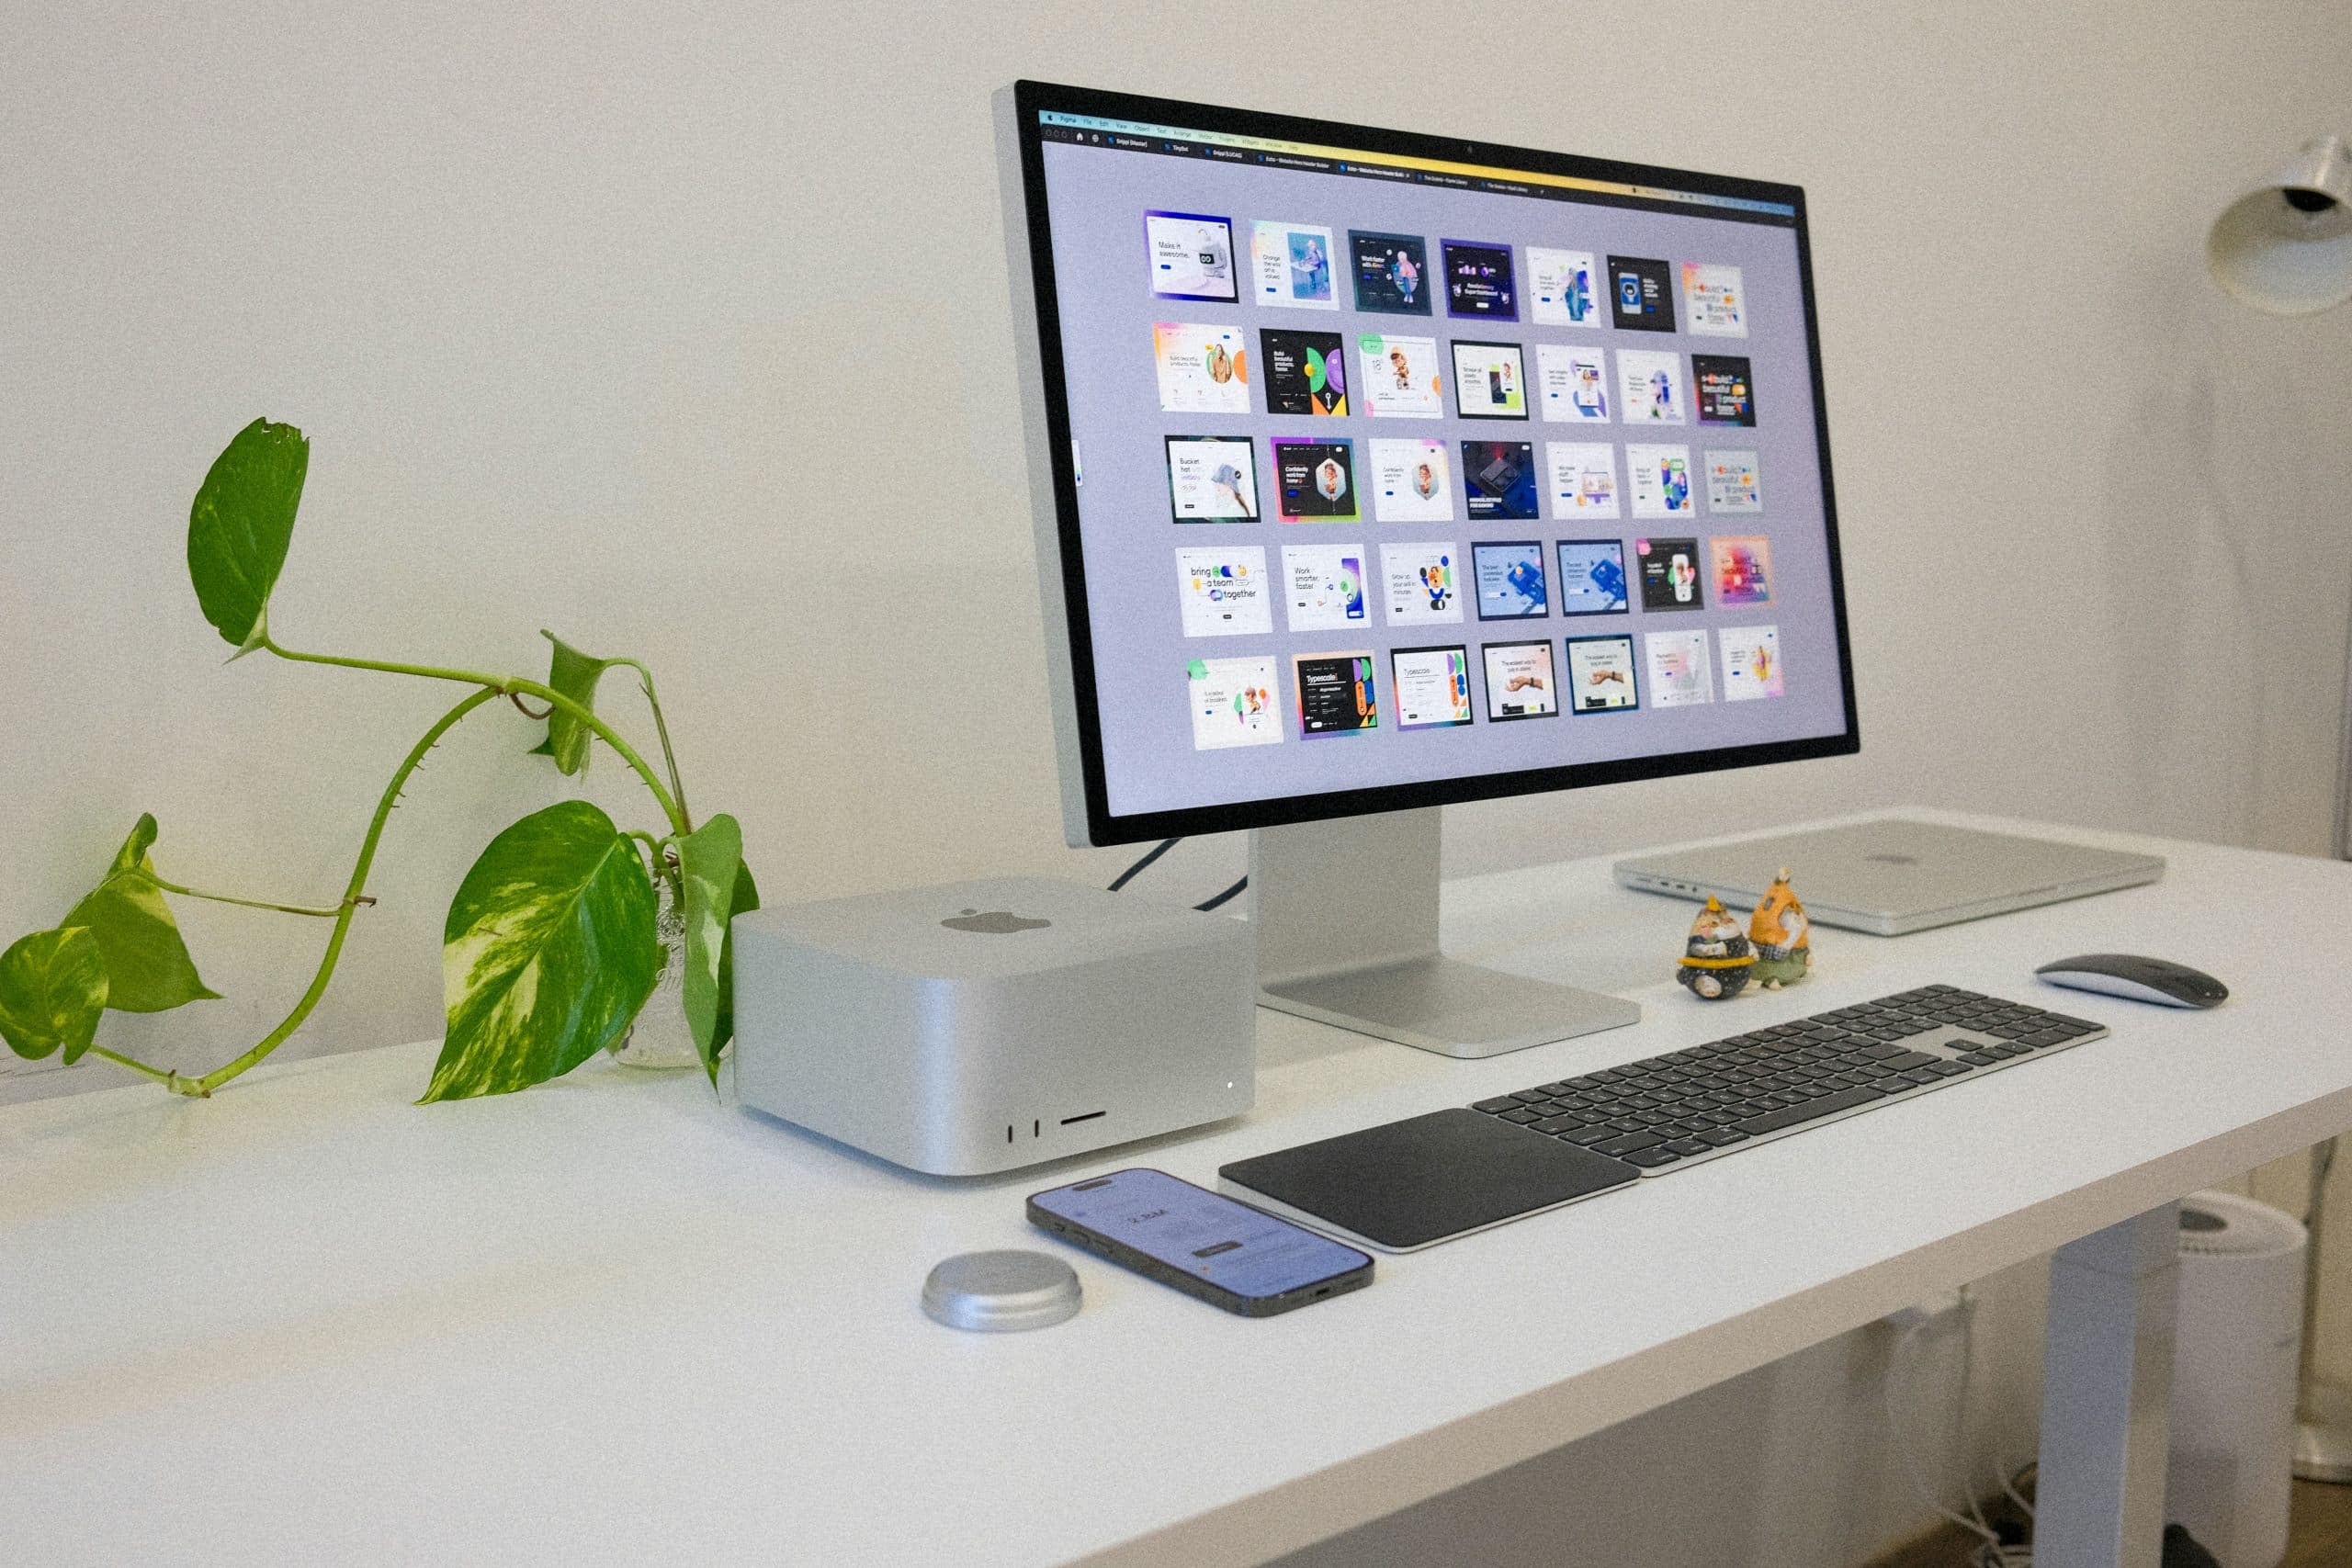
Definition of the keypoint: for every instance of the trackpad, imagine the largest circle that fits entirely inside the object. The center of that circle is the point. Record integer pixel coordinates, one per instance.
(1428, 1179)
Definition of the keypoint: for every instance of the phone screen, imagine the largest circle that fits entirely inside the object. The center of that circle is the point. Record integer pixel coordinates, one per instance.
(1189, 1227)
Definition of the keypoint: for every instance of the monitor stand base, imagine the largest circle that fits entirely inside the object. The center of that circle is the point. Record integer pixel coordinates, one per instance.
(1346, 912)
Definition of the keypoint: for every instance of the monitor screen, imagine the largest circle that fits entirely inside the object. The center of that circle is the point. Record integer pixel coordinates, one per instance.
(1389, 470)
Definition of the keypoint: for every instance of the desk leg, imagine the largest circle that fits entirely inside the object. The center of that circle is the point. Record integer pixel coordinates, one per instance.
(2106, 1381)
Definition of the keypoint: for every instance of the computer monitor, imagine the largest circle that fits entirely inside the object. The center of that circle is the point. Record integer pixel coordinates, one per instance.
(1376, 471)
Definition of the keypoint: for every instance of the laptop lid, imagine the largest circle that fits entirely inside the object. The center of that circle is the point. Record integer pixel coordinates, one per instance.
(1893, 876)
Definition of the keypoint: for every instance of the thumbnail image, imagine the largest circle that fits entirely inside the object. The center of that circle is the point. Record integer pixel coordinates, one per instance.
(1212, 479)
(1560, 282)
(1742, 570)
(1316, 480)
(1735, 482)
(1584, 479)
(1431, 687)
(1203, 369)
(1324, 586)
(1498, 478)
(1234, 703)
(1391, 272)
(1592, 577)
(1650, 389)
(1641, 294)
(1519, 684)
(1679, 675)
(1424, 583)
(1400, 377)
(1509, 580)
(1661, 478)
(1478, 280)
(1412, 482)
(1489, 382)
(1669, 573)
(1291, 263)
(1225, 591)
(1714, 303)
(1306, 372)
(1336, 694)
(1726, 391)
(1575, 382)
(1192, 255)
(1752, 662)
(1600, 675)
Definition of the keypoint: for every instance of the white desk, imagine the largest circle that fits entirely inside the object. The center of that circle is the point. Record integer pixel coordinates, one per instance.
(611, 1321)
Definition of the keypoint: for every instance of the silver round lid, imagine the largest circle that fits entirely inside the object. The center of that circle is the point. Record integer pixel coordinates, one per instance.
(1000, 1292)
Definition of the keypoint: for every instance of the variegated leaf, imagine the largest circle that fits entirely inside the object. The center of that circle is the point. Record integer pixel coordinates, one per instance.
(148, 966)
(719, 887)
(52, 988)
(548, 953)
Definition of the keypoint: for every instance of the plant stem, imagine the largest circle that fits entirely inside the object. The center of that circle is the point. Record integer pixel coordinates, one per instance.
(158, 1073)
(276, 1037)
(325, 914)
(506, 685)
(661, 728)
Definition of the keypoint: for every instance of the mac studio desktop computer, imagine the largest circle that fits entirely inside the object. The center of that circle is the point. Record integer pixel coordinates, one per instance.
(1375, 472)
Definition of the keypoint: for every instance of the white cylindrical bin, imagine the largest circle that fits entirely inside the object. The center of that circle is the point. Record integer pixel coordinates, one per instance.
(2229, 1475)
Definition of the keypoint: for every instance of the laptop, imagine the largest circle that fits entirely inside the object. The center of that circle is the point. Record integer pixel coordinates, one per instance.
(1894, 877)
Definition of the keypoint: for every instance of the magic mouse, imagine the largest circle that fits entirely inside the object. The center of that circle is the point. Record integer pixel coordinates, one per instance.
(2142, 979)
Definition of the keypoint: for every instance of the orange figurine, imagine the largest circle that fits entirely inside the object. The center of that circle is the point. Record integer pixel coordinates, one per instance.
(1782, 935)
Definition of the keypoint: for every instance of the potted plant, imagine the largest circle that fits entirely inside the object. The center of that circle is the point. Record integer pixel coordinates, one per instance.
(555, 940)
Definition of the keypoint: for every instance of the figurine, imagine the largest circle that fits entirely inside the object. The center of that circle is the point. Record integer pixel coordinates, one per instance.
(1716, 959)
(1783, 937)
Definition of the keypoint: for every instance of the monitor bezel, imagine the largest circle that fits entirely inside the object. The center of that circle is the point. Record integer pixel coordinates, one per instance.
(1077, 686)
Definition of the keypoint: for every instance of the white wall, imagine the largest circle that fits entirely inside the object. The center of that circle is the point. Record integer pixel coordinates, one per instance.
(594, 314)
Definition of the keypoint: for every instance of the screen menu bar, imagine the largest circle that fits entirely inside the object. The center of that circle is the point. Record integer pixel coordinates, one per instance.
(1163, 141)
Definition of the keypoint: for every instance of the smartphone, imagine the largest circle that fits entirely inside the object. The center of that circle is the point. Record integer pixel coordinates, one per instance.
(1203, 1243)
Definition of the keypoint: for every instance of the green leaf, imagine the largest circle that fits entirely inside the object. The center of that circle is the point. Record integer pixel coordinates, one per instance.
(574, 674)
(240, 527)
(747, 897)
(148, 966)
(711, 862)
(548, 953)
(52, 988)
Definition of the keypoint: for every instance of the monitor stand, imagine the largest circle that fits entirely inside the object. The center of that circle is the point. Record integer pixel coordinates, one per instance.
(1346, 912)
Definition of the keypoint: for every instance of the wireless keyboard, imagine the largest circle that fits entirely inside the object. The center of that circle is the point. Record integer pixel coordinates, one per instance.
(1664, 1112)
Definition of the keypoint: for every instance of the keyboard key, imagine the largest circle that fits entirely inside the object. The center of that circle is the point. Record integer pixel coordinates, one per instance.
(1983, 1058)
(1905, 1062)
(1720, 1136)
(1523, 1116)
(1689, 1147)
(1808, 1111)
(1555, 1123)
(1925, 1074)
(1650, 1158)
(1945, 1069)
(1584, 1138)
(1628, 1143)
(1896, 1085)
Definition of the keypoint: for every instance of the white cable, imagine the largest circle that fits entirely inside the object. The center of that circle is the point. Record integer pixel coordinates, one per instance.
(1898, 1436)
(1959, 1408)
(2009, 1484)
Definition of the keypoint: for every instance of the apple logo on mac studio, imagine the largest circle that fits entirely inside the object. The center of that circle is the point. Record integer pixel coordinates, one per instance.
(994, 922)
